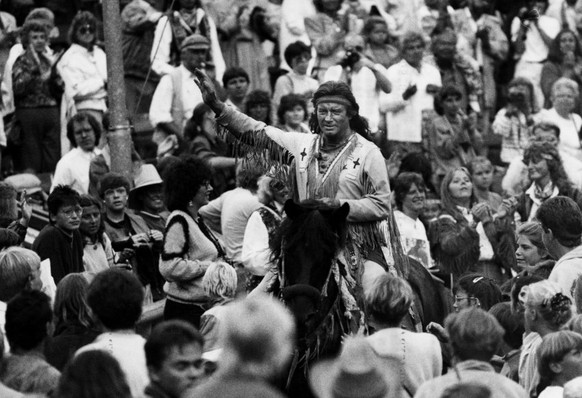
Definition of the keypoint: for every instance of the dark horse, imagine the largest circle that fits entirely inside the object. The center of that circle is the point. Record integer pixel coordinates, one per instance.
(313, 286)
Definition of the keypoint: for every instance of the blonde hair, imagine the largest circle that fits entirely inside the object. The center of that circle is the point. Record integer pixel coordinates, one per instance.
(257, 337)
(548, 299)
(566, 83)
(16, 265)
(220, 280)
(553, 348)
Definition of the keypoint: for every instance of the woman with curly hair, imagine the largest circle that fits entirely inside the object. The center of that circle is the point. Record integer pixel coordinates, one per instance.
(292, 113)
(547, 309)
(83, 68)
(548, 178)
(564, 60)
(189, 246)
(74, 327)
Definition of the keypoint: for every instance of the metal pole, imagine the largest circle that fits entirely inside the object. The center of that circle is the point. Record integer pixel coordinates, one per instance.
(119, 135)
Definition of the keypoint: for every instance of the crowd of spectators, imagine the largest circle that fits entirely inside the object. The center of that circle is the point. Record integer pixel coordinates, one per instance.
(451, 128)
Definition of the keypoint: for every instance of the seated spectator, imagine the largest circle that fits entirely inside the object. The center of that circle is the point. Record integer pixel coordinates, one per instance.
(127, 230)
(388, 302)
(204, 143)
(531, 254)
(146, 198)
(220, 284)
(19, 271)
(83, 132)
(563, 99)
(173, 353)
(514, 123)
(98, 254)
(257, 342)
(60, 241)
(115, 297)
(561, 221)
(548, 177)
(564, 60)
(83, 68)
(236, 83)
(559, 362)
(292, 114)
(454, 139)
(512, 340)
(474, 290)
(410, 198)
(74, 327)
(106, 380)
(481, 170)
(28, 319)
(547, 309)
(475, 337)
(378, 47)
(297, 55)
(258, 106)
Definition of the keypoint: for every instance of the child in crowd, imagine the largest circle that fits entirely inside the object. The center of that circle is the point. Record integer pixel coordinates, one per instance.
(481, 170)
(378, 47)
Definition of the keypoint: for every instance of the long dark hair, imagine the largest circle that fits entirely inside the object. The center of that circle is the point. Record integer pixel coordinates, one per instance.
(449, 205)
(357, 123)
(555, 54)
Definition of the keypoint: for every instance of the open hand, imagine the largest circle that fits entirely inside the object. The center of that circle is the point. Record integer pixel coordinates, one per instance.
(208, 91)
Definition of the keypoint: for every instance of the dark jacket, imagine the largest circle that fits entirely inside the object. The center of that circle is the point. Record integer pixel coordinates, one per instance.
(64, 251)
(67, 339)
(525, 203)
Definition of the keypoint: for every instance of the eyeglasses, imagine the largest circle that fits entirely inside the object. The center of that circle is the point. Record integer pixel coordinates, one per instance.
(86, 29)
(68, 212)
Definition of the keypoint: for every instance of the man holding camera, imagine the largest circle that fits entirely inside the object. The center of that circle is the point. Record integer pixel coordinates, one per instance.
(365, 78)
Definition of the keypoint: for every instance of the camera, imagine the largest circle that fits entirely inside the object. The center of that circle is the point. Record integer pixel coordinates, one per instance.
(350, 59)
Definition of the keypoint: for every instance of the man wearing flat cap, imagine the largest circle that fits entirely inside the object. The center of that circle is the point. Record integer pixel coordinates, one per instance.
(177, 95)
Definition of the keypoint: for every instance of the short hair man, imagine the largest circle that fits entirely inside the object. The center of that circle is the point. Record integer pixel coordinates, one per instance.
(177, 95)
(115, 296)
(475, 337)
(561, 221)
(84, 132)
(60, 240)
(174, 358)
(236, 83)
(129, 233)
(28, 320)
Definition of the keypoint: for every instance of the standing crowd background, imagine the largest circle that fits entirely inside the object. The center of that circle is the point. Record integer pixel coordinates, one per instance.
(452, 129)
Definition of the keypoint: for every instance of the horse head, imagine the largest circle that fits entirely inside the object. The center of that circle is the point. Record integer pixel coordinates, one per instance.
(308, 241)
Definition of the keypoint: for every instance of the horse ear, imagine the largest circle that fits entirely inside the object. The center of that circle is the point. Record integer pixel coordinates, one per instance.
(292, 209)
(342, 212)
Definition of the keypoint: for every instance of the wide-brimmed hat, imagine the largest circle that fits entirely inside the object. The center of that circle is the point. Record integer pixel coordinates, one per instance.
(147, 176)
(357, 372)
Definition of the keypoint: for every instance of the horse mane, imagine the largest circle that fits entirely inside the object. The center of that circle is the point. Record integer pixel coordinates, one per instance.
(313, 229)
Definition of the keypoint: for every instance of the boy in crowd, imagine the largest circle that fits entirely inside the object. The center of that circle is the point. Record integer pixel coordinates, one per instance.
(130, 234)
(60, 241)
(236, 83)
(174, 359)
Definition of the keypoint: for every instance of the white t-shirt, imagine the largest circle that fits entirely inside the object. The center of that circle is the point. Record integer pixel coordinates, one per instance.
(535, 48)
(413, 238)
(569, 128)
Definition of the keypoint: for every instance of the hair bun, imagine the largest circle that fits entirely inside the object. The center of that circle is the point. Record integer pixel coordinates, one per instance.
(560, 303)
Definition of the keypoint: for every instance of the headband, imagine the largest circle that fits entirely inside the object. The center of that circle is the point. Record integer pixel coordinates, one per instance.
(338, 99)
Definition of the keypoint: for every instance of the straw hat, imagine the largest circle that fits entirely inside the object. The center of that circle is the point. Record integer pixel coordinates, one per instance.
(356, 373)
(147, 176)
